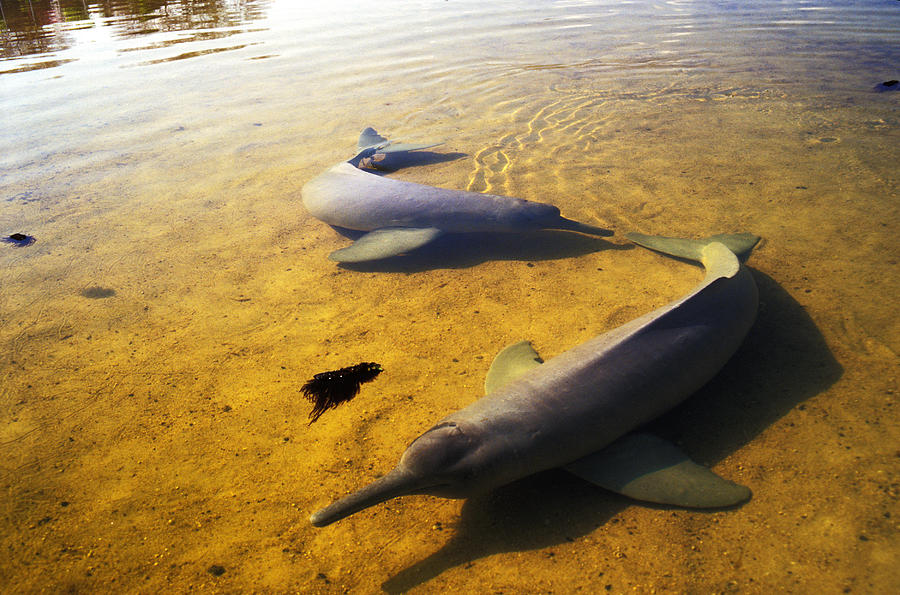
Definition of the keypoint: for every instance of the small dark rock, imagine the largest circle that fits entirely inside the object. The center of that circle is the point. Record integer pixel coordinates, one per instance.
(19, 239)
(216, 570)
(892, 85)
(64, 503)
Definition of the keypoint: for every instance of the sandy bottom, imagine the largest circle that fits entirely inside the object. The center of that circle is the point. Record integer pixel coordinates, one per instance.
(152, 433)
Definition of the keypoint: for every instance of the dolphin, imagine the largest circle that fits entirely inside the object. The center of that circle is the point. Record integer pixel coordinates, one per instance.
(402, 216)
(580, 410)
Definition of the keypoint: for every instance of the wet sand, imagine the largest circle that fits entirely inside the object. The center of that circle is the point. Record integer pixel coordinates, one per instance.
(154, 433)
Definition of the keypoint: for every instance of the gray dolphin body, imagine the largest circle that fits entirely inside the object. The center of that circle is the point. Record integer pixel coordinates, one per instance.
(578, 410)
(401, 216)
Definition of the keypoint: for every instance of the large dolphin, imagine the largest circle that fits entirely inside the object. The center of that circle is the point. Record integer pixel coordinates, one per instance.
(578, 411)
(401, 216)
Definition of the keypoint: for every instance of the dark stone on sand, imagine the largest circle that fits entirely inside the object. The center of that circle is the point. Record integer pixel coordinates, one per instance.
(19, 239)
(892, 85)
(96, 292)
(216, 570)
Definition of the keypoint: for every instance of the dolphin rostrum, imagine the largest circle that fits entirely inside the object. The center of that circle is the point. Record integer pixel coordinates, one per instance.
(401, 216)
(579, 410)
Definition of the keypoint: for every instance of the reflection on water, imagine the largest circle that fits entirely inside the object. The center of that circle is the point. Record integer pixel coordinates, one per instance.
(43, 26)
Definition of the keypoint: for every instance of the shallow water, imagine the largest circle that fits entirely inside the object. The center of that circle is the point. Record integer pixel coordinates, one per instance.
(177, 295)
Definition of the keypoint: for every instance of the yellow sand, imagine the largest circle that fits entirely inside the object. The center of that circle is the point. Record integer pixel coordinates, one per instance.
(151, 435)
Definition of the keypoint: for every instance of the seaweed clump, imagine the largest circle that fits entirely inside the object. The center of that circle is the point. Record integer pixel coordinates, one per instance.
(327, 390)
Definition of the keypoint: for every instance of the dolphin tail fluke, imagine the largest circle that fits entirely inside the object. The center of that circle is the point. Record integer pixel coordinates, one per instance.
(739, 243)
(591, 230)
(396, 483)
(370, 138)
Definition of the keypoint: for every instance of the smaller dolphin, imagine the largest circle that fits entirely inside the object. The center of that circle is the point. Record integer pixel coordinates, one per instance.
(401, 216)
(579, 410)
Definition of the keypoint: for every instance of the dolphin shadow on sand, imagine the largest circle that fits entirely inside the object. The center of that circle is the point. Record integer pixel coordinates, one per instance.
(783, 361)
(393, 162)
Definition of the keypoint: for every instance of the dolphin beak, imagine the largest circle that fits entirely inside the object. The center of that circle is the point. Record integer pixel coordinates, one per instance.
(396, 483)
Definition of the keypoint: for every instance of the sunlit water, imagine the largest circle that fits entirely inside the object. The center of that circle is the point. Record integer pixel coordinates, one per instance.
(177, 295)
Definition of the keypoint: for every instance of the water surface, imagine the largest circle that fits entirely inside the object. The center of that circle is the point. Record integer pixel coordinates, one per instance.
(177, 295)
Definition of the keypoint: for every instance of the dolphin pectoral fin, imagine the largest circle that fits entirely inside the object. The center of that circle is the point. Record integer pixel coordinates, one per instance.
(386, 242)
(511, 363)
(648, 468)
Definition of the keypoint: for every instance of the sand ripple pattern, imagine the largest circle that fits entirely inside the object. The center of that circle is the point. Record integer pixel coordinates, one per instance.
(566, 125)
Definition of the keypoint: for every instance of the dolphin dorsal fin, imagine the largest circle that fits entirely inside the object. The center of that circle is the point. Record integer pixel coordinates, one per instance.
(511, 363)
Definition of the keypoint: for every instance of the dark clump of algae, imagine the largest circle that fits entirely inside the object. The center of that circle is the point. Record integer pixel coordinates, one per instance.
(156, 439)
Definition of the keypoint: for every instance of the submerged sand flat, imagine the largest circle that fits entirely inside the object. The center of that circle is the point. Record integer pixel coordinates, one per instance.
(157, 333)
